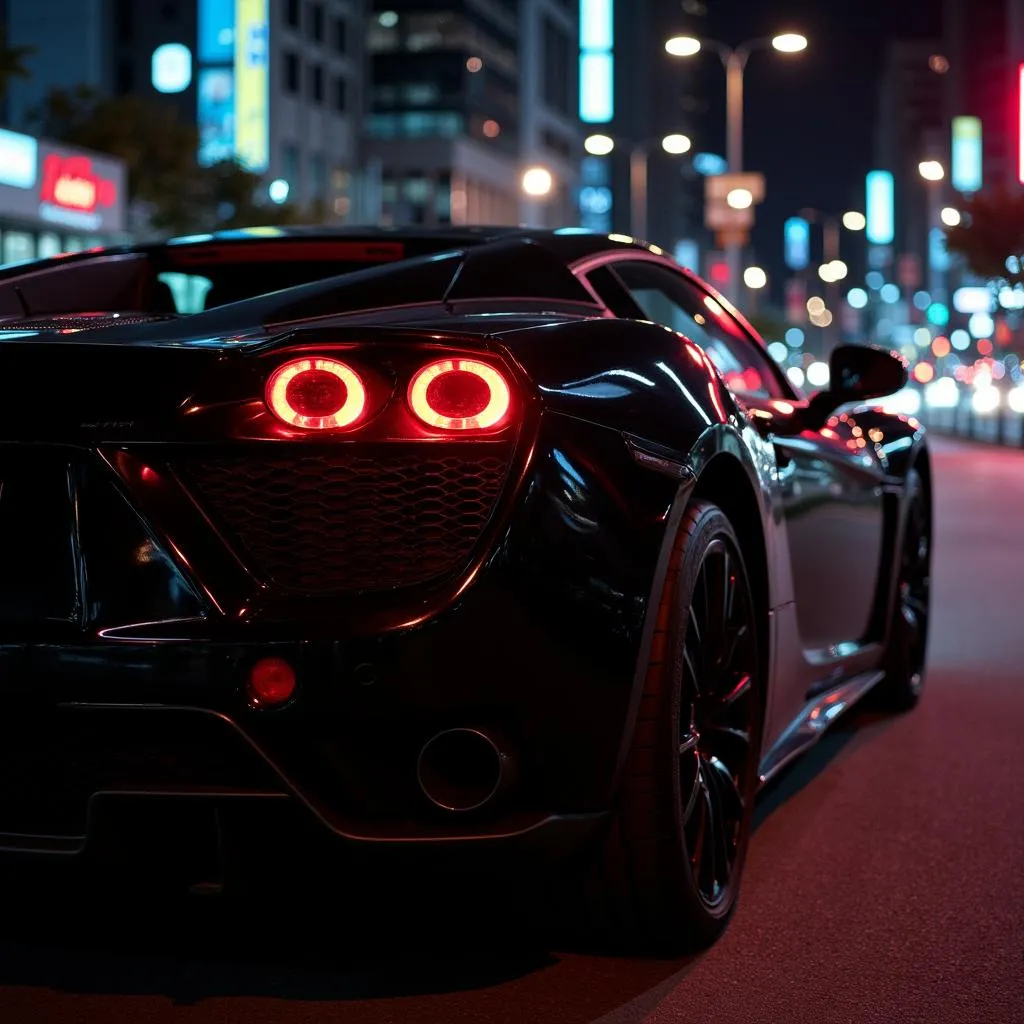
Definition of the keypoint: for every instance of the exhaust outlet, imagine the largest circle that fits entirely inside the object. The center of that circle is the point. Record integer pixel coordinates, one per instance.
(464, 769)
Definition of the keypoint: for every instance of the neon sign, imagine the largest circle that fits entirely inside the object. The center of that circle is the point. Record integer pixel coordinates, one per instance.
(71, 192)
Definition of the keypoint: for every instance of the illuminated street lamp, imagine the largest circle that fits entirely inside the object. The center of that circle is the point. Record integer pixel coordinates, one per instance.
(674, 144)
(734, 59)
(740, 199)
(755, 277)
(537, 182)
(598, 145)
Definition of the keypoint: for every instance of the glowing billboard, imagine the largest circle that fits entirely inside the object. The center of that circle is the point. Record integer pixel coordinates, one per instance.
(597, 62)
(252, 84)
(880, 208)
(797, 243)
(966, 168)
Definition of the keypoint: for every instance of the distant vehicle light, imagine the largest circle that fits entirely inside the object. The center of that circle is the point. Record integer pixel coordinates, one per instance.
(316, 394)
(459, 394)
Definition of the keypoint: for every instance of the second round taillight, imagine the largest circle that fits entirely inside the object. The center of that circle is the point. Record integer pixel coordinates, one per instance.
(459, 394)
(316, 394)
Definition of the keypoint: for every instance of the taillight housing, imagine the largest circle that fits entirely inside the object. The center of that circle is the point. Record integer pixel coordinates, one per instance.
(459, 394)
(316, 394)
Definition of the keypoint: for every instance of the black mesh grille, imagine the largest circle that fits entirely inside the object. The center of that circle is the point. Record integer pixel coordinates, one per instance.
(339, 522)
(75, 322)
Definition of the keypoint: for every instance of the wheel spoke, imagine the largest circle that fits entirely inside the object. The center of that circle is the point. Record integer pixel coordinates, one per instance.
(729, 789)
(694, 794)
(720, 828)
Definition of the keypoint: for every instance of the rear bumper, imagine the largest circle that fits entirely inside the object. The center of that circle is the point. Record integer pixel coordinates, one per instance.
(102, 782)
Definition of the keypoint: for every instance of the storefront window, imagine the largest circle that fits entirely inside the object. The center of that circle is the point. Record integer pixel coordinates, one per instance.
(47, 245)
(17, 246)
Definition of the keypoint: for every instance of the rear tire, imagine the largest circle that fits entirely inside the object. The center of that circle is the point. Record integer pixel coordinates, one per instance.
(908, 628)
(667, 875)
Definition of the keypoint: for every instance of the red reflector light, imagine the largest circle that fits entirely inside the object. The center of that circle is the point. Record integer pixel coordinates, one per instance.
(459, 394)
(271, 682)
(316, 394)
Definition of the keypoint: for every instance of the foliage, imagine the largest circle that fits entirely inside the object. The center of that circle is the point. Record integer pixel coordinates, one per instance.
(12, 62)
(991, 230)
(167, 187)
(769, 323)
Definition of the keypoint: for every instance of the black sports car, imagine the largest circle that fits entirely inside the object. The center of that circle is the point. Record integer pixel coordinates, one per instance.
(493, 547)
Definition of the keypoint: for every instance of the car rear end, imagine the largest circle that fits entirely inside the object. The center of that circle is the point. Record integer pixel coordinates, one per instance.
(306, 572)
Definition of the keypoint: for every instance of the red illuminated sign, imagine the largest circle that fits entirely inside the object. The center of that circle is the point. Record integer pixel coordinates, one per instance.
(1020, 123)
(70, 182)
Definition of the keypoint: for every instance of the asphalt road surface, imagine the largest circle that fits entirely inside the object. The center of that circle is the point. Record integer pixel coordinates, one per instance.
(885, 880)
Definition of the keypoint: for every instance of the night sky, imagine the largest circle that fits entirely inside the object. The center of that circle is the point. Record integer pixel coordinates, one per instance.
(808, 117)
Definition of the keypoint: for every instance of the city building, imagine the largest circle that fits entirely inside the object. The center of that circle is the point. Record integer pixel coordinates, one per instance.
(983, 50)
(274, 83)
(465, 98)
(56, 198)
(911, 127)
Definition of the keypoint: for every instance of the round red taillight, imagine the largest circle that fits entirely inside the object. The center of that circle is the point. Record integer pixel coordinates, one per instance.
(459, 394)
(316, 394)
(271, 682)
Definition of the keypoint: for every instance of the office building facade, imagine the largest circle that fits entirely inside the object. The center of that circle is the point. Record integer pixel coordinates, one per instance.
(276, 84)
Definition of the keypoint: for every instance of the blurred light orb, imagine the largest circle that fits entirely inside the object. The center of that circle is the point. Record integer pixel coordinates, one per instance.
(938, 63)
(676, 144)
(794, 337)
(818, 374)
(474, 64)
(491, 128)
(857, 298)
(682, 46)
(599, 145)
(931, 170)
(981, 325)
(778, 351)
(854, 220)
(889, 293)
(740, 198)
(874, 279)
(950, 216)
(755, 277)
(1015, 399)
(796, 376)
(537, 181)
(815, 305)
(789, 42)
(960, 339)
(171, 68)
(278, 190)
(387, 19)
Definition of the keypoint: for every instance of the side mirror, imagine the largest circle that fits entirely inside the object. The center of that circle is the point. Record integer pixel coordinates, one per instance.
(857, 373)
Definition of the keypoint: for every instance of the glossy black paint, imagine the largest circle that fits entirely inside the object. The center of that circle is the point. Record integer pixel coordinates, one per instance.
(122, 595)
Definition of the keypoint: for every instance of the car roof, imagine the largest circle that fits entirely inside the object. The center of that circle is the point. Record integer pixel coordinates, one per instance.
(570, 244)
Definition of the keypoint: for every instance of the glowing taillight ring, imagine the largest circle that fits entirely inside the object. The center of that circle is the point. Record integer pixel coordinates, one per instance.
(499, 400)
(350, 411)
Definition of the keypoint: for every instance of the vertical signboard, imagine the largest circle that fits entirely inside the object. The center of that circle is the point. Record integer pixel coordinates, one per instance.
(797, 243)
(252, 84)
(966, 170)
(597, 63)
(880, 208)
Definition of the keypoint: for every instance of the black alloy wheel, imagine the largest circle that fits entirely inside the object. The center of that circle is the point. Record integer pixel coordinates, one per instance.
(716, 719)
(908, 630)
(667, 875)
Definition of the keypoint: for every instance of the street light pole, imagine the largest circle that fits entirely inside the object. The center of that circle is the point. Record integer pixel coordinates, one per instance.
(735, 61)
(638, 191)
